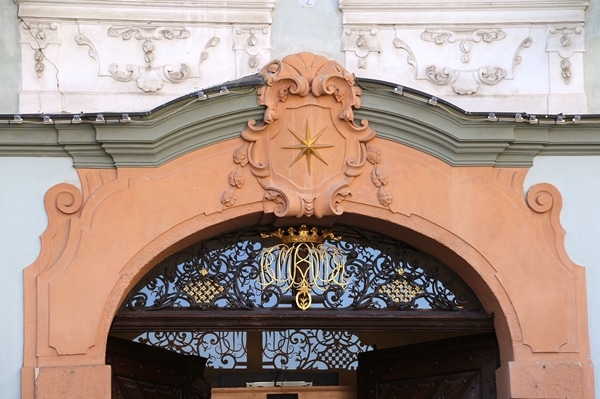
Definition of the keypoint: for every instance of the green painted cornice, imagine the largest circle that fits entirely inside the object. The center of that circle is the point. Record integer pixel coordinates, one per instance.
(397, 114)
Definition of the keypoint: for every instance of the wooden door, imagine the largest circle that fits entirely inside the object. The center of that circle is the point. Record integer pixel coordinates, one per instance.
(458, 368)
(143, 372)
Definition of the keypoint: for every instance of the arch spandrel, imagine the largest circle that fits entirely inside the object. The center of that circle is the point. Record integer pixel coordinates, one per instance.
(507, 247)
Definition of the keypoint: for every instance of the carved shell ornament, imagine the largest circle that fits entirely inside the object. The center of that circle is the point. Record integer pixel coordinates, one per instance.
(308, 149)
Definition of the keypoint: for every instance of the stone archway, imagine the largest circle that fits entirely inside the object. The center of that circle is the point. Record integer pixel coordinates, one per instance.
(506, 245)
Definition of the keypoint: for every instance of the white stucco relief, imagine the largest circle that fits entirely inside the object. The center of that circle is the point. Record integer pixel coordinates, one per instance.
(88, 58)
(146, 54)
(362, 44)
(462, 59)
(501, 55)
(38, 36)
(563, 42)
(137, 55)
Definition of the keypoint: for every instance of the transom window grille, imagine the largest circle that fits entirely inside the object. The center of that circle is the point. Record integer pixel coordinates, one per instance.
(224, 272)
(292, 349)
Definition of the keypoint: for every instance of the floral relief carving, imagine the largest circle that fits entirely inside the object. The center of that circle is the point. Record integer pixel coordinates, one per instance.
(565, 41)
(361, 42)
(378, 176)
(308, 149)
(464, 80)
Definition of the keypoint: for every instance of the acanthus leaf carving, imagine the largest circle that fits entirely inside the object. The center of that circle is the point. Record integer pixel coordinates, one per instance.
(491, 76)
(279, 199)
(308, 149)
(212, 42)
(340, 196)
(83, 40)
(466, 37)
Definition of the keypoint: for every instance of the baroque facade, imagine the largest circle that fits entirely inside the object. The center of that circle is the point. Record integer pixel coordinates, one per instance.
(130, 130)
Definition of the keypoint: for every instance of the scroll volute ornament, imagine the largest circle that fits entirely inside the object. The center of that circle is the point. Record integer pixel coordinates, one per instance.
(308, 149)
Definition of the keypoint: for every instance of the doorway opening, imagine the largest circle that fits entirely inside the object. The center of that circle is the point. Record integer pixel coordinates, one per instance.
(213, 301)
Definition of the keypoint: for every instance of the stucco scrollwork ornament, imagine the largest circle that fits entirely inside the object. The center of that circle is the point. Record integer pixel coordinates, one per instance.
(362, 43)
(251, 44)
(308, 150)
(149, 77)
(565, 41)
(467, 72)
(465, 38)
(39, 35)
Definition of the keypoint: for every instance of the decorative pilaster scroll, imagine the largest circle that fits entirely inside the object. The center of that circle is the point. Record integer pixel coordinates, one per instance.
(545, 200)
(39, 35)
(308, 150)
(361, 42)
(251, 45)
(565, 41)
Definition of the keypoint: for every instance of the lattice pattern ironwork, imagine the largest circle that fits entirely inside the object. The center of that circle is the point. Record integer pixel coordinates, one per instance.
(224, 273)
(311, 350)
(305, 349)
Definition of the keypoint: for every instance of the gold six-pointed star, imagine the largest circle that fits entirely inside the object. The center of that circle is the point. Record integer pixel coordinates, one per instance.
(308, 146)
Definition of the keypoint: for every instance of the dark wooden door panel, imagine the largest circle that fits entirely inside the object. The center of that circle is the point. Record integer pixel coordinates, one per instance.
(143, 372)
(458, 368)
(460, 385)
(127, 388)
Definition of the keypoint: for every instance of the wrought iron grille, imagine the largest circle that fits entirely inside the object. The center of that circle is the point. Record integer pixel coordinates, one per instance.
(223, 272)
(292, 349)
(311, 350)
(223, 349)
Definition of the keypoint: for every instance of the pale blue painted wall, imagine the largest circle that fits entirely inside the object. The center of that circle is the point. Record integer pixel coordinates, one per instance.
(24, 183)
(297, 28)
(592, 57)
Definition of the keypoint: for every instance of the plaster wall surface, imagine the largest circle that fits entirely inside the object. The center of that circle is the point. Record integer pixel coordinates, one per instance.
(578, 180)
(592, 57)
(307, 25)
(24, 183)
(10, 58)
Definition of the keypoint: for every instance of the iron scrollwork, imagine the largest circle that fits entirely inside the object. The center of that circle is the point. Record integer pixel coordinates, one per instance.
(224, 272)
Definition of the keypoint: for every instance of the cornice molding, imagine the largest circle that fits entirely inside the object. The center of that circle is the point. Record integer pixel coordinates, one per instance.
(438, 11)
(408, 117)
(200, 11)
